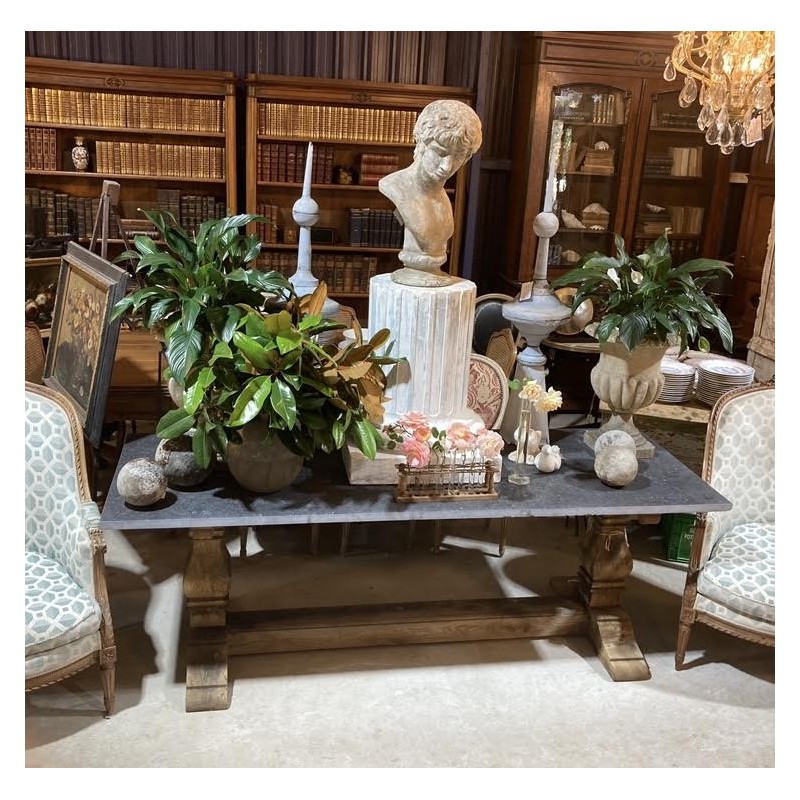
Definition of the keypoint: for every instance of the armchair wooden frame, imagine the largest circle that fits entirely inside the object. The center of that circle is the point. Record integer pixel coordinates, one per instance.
(701, 547)
(106, 655)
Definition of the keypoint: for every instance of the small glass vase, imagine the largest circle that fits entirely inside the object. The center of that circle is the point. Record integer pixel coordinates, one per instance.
(528, 440)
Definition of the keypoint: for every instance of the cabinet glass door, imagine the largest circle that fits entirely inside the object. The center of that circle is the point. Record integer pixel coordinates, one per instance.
(588, 124)
(678, 172)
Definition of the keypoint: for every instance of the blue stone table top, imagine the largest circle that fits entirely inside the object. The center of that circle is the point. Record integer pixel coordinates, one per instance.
(322, 494)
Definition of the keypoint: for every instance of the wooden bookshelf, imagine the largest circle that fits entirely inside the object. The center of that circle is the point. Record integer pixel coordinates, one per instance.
(350, 123)
(149, 129)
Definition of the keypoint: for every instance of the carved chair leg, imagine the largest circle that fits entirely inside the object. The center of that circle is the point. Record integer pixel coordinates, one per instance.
(243, 541)
(501, 544)
(683, 642)
(108, 675)
(687, 616)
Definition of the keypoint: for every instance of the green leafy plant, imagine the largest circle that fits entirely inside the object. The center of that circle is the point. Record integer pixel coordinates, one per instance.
(242, 345)
(644, 297)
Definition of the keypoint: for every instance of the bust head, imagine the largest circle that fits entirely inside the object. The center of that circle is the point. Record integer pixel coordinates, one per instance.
(448, 134)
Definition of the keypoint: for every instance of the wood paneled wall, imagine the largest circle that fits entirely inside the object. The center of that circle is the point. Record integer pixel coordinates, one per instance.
(435, 57)
(483, 61)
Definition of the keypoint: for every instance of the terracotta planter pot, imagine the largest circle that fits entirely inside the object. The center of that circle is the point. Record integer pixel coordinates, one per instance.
(627, 381)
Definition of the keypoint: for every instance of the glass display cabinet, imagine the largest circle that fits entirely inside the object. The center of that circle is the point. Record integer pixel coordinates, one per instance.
(677, 181)
(588, 132)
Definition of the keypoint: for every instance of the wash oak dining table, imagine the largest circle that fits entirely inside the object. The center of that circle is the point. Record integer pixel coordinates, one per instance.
(587, 603)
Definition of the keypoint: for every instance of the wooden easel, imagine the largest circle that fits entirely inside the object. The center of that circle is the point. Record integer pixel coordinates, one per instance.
(108, 211)
(109, 203)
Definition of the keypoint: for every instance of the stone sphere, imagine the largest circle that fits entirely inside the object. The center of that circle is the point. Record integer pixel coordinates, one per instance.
(614, 439)
(545, 224)
(180, 465)
(142, 482)
(616, 465)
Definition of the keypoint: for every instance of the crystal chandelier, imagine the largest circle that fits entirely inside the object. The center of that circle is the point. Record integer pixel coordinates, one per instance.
(733, 72)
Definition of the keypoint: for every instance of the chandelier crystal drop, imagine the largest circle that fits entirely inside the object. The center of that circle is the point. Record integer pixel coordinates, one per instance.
(731, 73)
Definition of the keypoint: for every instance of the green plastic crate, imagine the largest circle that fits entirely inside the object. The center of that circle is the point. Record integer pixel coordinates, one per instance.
(677, 531)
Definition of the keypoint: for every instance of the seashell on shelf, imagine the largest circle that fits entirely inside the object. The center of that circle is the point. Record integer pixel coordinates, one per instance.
(570, 256)
(654, 208)
(570, 220)
(601, 145)
(596, 228)
(595, 208)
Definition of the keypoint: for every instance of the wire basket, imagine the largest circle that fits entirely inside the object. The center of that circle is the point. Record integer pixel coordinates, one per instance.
(472, 481)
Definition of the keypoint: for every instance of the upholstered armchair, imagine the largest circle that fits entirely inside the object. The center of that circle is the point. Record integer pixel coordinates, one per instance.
(730, 583)
(67, 615)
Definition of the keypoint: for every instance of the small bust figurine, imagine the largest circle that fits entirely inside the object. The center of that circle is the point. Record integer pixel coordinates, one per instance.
(447, 133)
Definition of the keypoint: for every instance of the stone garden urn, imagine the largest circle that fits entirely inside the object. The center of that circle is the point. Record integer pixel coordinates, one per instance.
(627, 381)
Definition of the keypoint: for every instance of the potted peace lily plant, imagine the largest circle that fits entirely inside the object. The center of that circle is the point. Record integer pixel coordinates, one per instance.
(645, 304)
(257, 386)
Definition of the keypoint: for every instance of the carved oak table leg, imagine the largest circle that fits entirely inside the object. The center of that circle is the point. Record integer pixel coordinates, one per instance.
(606, 562)
(206, 586)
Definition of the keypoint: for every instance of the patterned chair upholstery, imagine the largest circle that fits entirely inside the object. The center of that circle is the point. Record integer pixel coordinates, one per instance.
(487, 390)
(730, 583)
(67, 615)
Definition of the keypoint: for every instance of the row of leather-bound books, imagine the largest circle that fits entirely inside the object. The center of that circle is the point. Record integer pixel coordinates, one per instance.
(286, 162)
(344, 123)
(346, 274)
(115, 110)
(149, 158)
(40, 148)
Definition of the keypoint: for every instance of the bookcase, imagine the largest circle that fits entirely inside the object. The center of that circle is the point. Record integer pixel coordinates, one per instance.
(360, 131)
(168, 137)
(602, 142)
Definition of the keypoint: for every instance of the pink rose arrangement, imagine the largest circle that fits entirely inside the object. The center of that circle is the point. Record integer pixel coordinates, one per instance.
(423, 444)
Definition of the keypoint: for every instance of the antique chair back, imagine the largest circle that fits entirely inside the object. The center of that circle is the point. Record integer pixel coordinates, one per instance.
(488, 319)
(730, 582)
(67, 614)
(34, 353)
(487, 390)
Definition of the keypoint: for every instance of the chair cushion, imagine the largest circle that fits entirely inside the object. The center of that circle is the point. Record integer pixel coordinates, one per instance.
(57, 610)
(740, 573)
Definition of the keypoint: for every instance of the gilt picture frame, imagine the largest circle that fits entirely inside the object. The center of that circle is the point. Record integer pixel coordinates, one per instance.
(80, 353)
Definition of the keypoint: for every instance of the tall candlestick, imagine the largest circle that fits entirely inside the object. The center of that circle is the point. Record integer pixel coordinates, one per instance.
(307, 178)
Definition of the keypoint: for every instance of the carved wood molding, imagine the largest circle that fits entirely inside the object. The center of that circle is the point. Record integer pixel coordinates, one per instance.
(607, 50)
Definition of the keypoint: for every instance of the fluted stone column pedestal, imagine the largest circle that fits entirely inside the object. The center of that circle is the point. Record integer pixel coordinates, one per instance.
(432, 329)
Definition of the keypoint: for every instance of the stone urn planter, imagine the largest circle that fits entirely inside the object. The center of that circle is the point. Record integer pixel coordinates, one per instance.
(262, 466)
(627, 381)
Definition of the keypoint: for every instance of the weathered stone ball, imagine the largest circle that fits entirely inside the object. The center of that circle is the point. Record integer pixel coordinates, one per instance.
(616, 465)
(180, 465)
(142, 482)
(614, 439)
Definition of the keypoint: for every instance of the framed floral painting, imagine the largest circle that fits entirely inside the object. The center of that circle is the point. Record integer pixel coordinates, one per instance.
(80, 353)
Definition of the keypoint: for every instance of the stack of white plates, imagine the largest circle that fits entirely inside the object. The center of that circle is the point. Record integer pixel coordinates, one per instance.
(678, 381)
(714, 378)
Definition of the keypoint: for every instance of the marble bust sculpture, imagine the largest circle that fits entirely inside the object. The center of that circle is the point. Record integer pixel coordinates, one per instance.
(447, 134)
